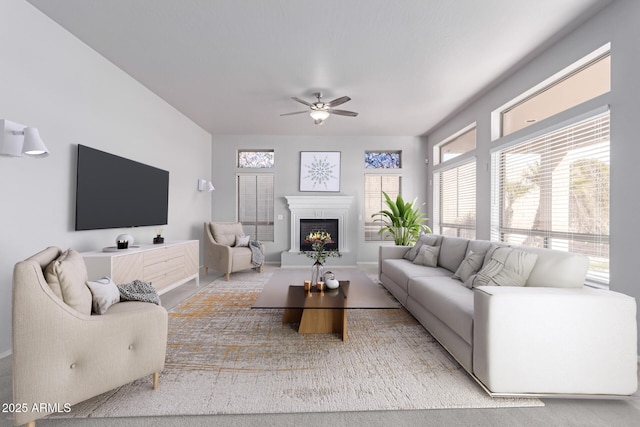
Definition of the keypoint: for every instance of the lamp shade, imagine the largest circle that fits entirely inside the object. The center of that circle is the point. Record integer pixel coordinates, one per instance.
(319, 114)
(33, 145)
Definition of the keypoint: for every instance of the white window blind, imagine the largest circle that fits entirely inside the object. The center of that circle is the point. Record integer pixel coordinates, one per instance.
(553, 192)
(255, 206)
(374, 202)
(457, 200)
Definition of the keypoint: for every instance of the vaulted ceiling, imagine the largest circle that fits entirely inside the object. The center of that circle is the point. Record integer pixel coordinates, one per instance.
(232, 66)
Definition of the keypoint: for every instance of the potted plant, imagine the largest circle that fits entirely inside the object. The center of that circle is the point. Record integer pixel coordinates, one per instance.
(403, 220)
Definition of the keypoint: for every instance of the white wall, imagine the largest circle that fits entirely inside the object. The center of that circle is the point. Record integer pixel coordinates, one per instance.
(618, 24)
(287, 177)
(51, 80)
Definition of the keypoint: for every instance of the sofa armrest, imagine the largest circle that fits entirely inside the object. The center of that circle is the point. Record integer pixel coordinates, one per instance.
(555, 340)
(390, 252)
(63, 356)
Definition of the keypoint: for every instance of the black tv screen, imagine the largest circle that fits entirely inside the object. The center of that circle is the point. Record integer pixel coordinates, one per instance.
(114, 192)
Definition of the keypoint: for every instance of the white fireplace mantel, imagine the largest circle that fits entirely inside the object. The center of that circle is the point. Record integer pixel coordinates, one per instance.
(314, 207)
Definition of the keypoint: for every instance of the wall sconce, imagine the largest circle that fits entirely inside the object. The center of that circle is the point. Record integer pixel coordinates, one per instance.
(17, 139)
(203, 185)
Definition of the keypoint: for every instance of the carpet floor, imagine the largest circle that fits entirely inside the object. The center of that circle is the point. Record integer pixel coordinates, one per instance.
(225, 358)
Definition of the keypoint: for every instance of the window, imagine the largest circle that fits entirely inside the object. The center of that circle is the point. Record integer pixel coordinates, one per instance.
(256, 159)
(382, 159)
(573, 87)
(255, 205)
(374, 202)
(455, 184)
(457, 145)
(457, 200)
(552, 191)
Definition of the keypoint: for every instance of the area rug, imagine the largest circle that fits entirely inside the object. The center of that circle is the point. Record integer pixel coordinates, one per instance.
(225, 358)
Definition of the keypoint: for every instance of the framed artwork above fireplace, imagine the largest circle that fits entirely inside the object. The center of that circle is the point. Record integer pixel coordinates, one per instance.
(319, 171)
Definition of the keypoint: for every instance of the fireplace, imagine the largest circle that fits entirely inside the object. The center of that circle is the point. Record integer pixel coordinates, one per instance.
(308, 225)
(321, 210)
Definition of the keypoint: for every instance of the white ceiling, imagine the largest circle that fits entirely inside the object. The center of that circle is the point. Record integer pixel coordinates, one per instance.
(232, 66)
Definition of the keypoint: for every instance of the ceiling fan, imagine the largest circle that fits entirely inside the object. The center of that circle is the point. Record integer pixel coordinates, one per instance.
(319, 110)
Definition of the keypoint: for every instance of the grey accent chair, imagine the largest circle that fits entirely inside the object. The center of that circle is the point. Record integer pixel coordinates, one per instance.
(62, 354)
(220, 250)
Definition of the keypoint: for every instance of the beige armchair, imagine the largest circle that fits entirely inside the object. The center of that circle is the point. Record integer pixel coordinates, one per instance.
(62, 354)
(220, 250)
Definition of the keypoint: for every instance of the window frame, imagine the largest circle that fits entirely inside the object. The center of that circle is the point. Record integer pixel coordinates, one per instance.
(368, 222)
(496, 115)
(555, 124)
(256, 224)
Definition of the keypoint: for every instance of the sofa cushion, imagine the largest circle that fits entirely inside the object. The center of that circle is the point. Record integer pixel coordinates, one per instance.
(424, 239)
(469, 266)
(105, 293)
(428, 256)
(67, 277)
(241, 256)
(447, 300)
(507, 267)
(569, 270)
(225, 233)
(401, 270)
(452, 252)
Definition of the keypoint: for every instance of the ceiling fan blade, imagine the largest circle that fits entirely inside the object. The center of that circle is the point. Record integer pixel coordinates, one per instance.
(343, 112)
(338, 101)
(302, 101)
(297, 112)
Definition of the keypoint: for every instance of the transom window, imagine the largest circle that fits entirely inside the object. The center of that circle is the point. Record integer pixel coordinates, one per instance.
(382, 159)
(457, 145)
(260, 159)
(573, 87)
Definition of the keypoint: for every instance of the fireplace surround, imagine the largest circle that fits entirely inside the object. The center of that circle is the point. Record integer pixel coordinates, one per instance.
(320, 207)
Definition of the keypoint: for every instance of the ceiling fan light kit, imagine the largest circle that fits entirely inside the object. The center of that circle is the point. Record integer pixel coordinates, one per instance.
(320, 111)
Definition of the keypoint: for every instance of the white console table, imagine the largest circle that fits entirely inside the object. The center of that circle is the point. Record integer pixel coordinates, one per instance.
(165, 265)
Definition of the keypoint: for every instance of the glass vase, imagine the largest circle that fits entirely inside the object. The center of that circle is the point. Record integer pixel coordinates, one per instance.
(317, 273)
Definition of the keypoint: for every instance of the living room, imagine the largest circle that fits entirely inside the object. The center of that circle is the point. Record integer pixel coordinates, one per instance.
(57, 83)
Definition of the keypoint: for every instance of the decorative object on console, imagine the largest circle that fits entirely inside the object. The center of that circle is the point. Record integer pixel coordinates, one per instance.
(319, 171)
(128, 238)
(403, 220)
(17, 139)
(158, 239)
(204, 185)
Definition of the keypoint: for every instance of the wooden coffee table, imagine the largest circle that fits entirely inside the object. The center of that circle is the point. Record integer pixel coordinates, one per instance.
(322, 312)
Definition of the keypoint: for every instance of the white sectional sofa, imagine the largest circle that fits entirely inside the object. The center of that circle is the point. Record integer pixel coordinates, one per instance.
(547, 335)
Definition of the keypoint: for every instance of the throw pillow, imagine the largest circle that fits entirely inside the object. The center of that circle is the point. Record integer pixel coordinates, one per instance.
(242, 240)
(67, 277)
(424, 239)
(507, 267)
(105, 294)
(469, 266)
(427, 255)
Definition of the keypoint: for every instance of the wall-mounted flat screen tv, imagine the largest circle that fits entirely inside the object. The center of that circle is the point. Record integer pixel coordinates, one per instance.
(114, 192)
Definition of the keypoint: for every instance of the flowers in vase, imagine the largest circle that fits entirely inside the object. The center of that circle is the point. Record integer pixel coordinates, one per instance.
(318, 241)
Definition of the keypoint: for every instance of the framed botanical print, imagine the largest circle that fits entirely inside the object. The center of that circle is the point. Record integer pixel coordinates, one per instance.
(319, 171)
